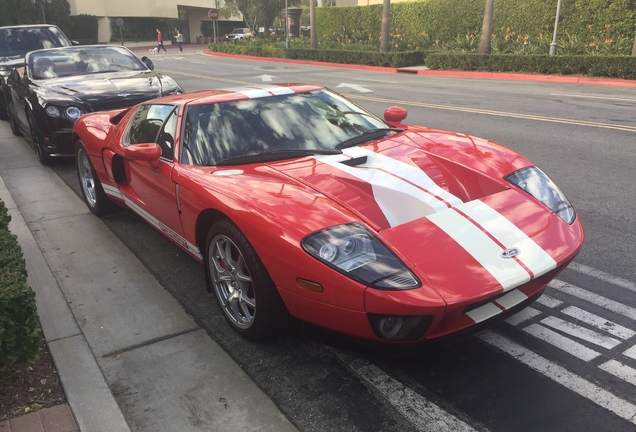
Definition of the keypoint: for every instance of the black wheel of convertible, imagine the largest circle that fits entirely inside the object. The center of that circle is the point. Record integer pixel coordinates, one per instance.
(242, 287)
(36, 139)
(15, 129)
(92, 190)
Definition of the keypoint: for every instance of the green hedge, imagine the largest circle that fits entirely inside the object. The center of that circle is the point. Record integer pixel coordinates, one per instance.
(601, 66)
(369, 58)
(19, 326)
(440, 22)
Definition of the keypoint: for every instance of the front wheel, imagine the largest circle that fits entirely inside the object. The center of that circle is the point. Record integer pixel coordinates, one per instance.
(15, 129)
(36, 139)
(242, 287)
(94, 196)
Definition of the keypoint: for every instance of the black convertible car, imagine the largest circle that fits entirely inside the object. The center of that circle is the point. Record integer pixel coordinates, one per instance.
(57, 86)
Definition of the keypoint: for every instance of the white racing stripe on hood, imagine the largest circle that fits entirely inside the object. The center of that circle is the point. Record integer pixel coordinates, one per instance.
(475, 232)
(508, 272)
(402, 191)
(262, 91)
(530, 254)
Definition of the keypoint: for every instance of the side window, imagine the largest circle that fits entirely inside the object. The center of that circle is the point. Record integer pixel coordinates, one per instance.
(145, 126)
(166, 136)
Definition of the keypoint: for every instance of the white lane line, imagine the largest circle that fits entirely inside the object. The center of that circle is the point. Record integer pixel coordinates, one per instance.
(588, 390)
(599, 322)
(561, 342)
(592, 97)
(523, 315)
(601, 275)
(598, 300)
(548, 301)
(422, 413)
(581, 332)
(631, 353)
(619, 370)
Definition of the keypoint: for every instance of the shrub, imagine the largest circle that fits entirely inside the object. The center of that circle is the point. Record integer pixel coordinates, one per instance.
(84, 29)
(19, 326)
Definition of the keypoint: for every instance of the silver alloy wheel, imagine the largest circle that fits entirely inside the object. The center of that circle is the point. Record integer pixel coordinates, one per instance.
(232, 281)
(86, 177)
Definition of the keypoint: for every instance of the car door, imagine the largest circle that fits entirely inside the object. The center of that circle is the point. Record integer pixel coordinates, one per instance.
(18, 96)
(149, 191)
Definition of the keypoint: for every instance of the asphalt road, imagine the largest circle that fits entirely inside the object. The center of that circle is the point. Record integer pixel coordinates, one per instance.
(568, 363)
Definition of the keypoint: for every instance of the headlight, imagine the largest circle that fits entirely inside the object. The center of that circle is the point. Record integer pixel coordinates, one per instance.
(354, 251)
(73, 113)
(52, 111)
(536, 183)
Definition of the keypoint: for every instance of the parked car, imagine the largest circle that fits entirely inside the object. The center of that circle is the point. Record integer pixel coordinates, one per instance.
(239, 34)
(16, 41)
(57, 86)
(300, 202)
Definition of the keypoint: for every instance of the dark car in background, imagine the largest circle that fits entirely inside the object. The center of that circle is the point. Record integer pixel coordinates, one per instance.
(57, 86)
(17, 41)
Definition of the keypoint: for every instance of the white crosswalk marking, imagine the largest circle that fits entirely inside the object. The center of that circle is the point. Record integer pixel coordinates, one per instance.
(596, 299)
(599, 322)
(548, 301)
(422, 413)
(631, 353)
(561, 342)
(523, 315)
(592, 392)
(581, 332)
(620, 370)
(603, 276)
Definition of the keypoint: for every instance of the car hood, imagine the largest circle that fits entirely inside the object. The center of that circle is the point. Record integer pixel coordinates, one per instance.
(440, 201)
(98, 89)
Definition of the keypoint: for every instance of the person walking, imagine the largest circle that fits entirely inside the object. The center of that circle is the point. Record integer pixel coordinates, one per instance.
(160, 42)
(179, 39)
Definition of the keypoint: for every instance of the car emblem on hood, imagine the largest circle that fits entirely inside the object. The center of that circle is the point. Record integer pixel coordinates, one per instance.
(509, 253)
(123, 94)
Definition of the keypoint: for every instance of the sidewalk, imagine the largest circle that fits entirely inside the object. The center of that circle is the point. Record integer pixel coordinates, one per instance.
(128, 356)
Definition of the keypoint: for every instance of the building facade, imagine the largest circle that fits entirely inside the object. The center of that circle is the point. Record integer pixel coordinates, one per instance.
(188, 15)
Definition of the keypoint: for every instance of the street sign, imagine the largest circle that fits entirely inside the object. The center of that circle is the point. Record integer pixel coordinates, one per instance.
(213, 14)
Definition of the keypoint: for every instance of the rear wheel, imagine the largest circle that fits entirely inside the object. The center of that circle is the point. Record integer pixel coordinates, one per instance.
(94, 196)
(243, 289)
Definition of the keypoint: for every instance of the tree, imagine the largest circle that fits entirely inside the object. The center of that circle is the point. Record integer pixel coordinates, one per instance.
(486, 28)
(259, 13)
(17, 12)
(312, 24)
(386, 25)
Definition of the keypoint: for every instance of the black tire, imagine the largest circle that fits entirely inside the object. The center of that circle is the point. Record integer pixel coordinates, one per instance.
(36, 139)
(15, 129)
(241, 285)
(94, 196)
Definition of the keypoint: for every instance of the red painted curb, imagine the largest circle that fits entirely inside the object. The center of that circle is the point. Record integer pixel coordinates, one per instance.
(615, 82)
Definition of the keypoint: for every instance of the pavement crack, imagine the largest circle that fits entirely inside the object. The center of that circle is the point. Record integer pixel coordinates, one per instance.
(149, 342)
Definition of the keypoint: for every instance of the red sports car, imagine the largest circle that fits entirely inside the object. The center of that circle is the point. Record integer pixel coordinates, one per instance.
(301, 203)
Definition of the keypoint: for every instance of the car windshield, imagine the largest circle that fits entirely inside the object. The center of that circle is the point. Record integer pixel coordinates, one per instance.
(238, 30)
(17, 41)
(288, 125)
(84, 60)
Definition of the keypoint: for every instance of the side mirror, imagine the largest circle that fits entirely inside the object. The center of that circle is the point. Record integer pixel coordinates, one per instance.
(149, 152)
(74, 43)
(395, 114)
(148, 63)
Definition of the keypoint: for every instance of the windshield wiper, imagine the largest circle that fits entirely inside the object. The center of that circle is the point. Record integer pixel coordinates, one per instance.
(366, 136)
(273, 155)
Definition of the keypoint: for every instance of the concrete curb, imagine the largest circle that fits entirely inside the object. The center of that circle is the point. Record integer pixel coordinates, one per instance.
(419, 70)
